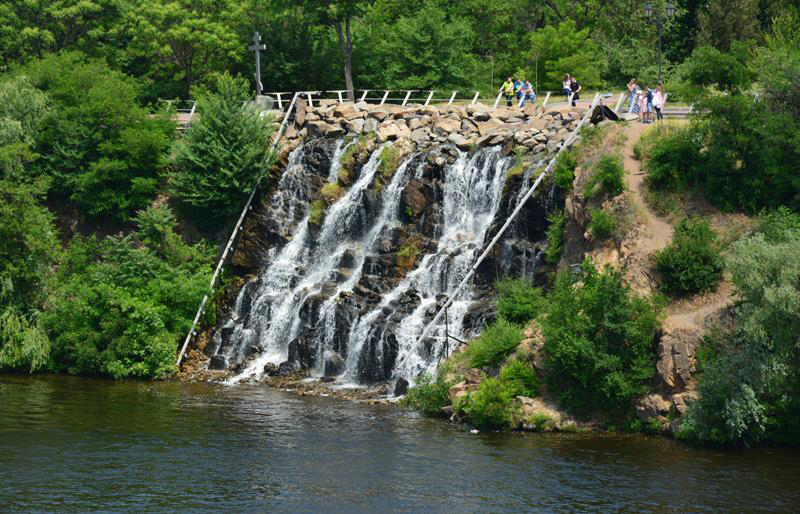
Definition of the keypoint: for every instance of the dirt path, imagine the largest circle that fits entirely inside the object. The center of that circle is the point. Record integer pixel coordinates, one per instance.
(659, 231)
(688, 314)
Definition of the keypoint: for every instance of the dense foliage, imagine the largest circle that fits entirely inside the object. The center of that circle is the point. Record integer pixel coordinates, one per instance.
(417, 43)
(749, 389)
(494, 344)
(598, 341)
(518, 301)
(122, 303)
(606, 178)
(743, 150)
(691, 263)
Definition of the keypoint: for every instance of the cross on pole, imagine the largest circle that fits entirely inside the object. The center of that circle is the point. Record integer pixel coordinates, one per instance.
(257, 47)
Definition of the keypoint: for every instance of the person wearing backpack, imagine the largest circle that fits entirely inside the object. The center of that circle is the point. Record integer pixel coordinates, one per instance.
(575, 87)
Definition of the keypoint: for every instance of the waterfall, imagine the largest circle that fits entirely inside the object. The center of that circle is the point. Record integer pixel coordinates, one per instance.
(318, 299)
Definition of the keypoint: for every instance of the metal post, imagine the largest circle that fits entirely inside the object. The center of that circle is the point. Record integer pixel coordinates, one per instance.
(619, 102)
(497, 100)
(191, 113)
(475, 98)
(364, 96)
(257, 47)
(569, 100)
(408, 95)
(452, 97)
(659, 43)
(280, 102)
(385, 96)
(340, 96)
(500, 232)
(546, 98)
(429, 97)
(310, 101)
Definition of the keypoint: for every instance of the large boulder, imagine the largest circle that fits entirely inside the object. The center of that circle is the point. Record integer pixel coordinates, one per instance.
(446, 126)
(355, 126)
(317, 128)
(460, 141)
(388, 132)
(371, 125)
(420, 135)
(334, 364)
(652, 406)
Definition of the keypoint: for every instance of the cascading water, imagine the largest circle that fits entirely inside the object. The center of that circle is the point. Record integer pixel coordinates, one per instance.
(325, 299)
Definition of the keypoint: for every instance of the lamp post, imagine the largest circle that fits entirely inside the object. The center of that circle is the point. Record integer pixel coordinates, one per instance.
(669, 10)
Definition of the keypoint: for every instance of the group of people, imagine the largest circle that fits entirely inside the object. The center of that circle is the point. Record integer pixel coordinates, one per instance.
(646, 101)
(522, 90)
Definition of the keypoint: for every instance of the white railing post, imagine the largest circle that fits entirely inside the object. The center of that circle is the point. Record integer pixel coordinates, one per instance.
(475, 98)
(238, 227)
(499, 234)
(364, 96)
(546, 99)
(310, 100)
(497, 100)
(569, 100)
(385, 96)
(339, 93)
(619, 102)
(452, 97)
(280, 101)
(408, 95)
(429, 97)
(191, 113)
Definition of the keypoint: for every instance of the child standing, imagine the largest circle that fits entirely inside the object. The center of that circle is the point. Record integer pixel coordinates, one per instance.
(567, 84)
(659, 99)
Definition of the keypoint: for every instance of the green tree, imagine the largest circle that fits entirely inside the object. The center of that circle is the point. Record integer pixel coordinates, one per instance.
(435, 51)
(726, 21)
(223, 155)
(339, 14)
(190, 38)
(101, 149)
(565, 49)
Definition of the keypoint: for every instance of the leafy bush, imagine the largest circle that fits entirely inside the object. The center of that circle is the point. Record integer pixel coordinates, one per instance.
(691, 263)
(555, 236)
(598, 341)
(23, 344)
(490, 406)
(519, 379)
(602, 225)
(518, 301)
(223, 155)
(608, 178)
(428, 396)
(674, 161)
(122, 304)
(564, 170)
(780, 225)
(494, 344)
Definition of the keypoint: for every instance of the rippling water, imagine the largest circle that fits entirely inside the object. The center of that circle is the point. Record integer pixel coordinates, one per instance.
(82, 444)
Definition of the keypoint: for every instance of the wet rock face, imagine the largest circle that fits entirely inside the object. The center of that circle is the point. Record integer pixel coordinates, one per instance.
(343, 298)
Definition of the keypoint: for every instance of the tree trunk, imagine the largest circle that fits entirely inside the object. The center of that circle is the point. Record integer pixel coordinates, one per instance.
(346, 46)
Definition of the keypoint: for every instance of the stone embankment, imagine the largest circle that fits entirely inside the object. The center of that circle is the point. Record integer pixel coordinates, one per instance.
(465, 127)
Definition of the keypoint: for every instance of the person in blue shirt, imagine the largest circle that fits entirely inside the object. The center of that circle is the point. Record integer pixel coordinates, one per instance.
(527, 94)
(518, 89)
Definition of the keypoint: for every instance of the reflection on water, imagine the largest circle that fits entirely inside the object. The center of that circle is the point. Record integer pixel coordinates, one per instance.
(81, 444)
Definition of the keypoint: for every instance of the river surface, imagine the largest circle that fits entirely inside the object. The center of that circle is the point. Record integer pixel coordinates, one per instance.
(76, 444)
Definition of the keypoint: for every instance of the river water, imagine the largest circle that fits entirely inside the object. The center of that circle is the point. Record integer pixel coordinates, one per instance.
(77, 444)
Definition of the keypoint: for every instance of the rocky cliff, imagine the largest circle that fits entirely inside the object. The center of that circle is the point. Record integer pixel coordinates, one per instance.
(377, 213)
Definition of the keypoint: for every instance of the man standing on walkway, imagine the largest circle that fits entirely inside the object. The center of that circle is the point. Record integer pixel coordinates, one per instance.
(508, 91)
(575, 87)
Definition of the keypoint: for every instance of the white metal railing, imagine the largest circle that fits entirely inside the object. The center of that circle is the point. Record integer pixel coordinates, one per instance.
(500, 233)
(228, 247)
